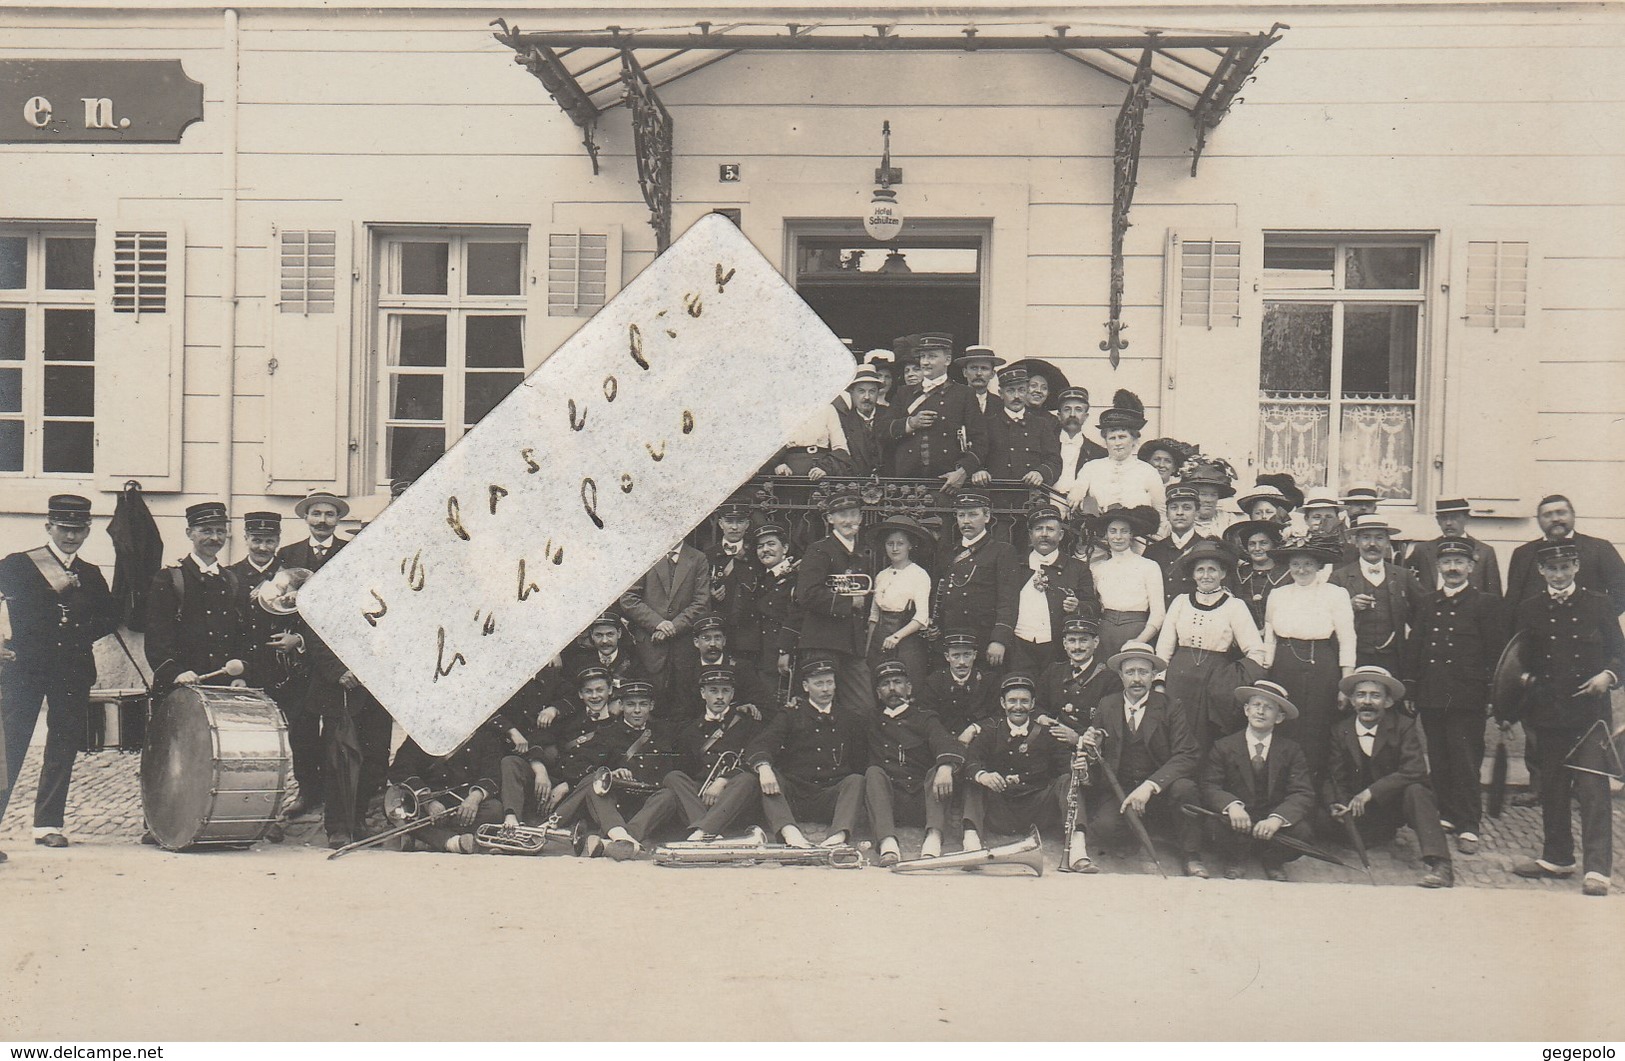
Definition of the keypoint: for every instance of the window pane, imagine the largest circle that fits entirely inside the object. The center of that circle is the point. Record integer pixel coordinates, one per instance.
(13, 330)
(11, 445)
(423, 268)
(493, 268)
(1298, 267)
(69, 446)
(1294, 438)
(482, 391)
(1379, 351)
(422, 340)
(495, 342)
(11, 390)
(1378, 445)
(833, 259)
(1391, 268)
(70, 335)
(70, 390)
(413, 449)
(13, 262)
(70, 264)
(1297, 350)
(416, 398)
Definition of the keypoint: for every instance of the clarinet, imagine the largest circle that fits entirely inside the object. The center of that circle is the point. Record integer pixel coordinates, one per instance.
(1074, 800)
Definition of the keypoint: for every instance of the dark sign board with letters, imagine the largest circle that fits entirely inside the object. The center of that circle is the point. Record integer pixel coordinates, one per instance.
(96, 101)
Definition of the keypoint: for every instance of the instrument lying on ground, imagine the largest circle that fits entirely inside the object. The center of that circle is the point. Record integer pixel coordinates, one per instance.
(752, 849)
(410, 808)
(530, 839)
(214, 768)
(1028, 852)
(1291, 843)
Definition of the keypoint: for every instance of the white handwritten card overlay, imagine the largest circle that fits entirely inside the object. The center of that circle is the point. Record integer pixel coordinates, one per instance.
(618, 445)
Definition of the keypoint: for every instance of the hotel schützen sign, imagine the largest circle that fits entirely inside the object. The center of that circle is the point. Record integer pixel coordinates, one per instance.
(90, 101)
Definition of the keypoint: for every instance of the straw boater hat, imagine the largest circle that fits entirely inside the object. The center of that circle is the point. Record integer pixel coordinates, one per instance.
(1380, 675)
(317, 496)
(1373, 522)
(1138, 650)
(1275, 694)
(1361, 492)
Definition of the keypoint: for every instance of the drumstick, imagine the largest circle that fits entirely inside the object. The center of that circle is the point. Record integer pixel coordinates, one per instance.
(232, 669)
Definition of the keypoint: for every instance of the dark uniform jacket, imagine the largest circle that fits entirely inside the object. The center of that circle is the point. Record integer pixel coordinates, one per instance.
(1167, 554)
(701, 742)
(686, 702)
(583, 744)
(936, 450)
(472, 764)
(1016, 447)
(1452, 650)
(1571, 641)
(827, 621)
(1227, 776)
(197, 631)
(623, 668)
(52, 633)
(300, 554)
(1601, 569)
(1062, 574)
(960, 705)
(1398, 758)
(733, 592)
(978, 591)
(911, 744)
(1034, 760)
(866, 440)
(1164, 734)
(1424, 559)
(650, 753)
(773, 614)
(278, 673)
(1401, 591)
(1072, 697)
(810, 746)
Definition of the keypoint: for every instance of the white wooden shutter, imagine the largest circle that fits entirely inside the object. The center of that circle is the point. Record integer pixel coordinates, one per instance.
(141, 353)
(1211, 327)
(574, 271)
(1491, 386)
(307, 374)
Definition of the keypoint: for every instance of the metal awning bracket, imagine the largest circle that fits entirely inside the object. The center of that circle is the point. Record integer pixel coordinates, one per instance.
(652, 138)
(1125, 174)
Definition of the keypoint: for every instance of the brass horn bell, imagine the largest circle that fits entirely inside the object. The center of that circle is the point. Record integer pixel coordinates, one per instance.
(1028, 852)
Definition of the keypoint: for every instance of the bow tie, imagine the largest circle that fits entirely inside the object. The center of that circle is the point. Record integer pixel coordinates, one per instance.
(716, 718)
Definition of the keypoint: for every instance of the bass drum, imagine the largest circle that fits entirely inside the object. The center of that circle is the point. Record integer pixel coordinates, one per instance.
(214, 768)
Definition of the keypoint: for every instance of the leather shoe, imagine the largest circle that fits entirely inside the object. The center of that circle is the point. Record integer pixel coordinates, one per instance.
(1467, 843)
(1534, 869)
(148, 839)
(2, 856)
(1276, 873)
(338, 840)
(1594, 884)
(621, 850)
(301, 809)
(1525, 799)
(1084, 865)
(1440, 874)
(51, 840)
(1194, 868)
(593, 846)
(1234, 871)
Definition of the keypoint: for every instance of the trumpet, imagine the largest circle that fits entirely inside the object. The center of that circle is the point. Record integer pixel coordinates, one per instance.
(752, 849)
(1028, 852)
(726, 762)
(850, 584)
(530, 839)
(606, 781)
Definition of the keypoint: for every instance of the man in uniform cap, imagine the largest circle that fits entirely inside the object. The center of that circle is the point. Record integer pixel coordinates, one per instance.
(59, 605)
(194, 609)
(711, 646)
(978, 589)
(1183, 502)
(1077, 449)
(809, 761)
(1456, 637)
(1452, 516)
(1069, 690)
(833, 618)
(1020, 773)
(1022, 443)
(720, 730)
(1576, 655)
(864, 427)
(1386, 597)
(1054, 587)
(773, 613)
(321, 510)
(733, 575)
(936, 428)
(960, 692)
(604, 645)
(914, 759)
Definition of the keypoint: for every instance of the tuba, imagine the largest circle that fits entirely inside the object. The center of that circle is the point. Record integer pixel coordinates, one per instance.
(1028, 852)
(530, 839)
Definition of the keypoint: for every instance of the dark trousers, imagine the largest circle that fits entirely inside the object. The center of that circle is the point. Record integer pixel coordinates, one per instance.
(1015, 813)
(517, 789)
(1455, 763)
(739, 795)
(1414, 805)
(1236, 846)
(355, 742)
(1029, 657)
(304, 742)
(490, 813)
(886, 802)
(67, 703)
(837, 801)
(1109, 825)
(1558, 784)
(854, 683)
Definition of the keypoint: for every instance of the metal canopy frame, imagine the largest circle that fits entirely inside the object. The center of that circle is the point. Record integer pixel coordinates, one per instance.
(588, 72)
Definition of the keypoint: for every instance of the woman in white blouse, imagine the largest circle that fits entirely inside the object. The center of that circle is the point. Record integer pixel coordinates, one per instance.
(1120, 479)
(902, 600)
(1129, 585)
(1211, 645)
(1309, 647)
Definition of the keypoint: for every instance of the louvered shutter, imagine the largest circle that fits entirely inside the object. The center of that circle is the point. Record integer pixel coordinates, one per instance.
(307, 373)
(1492, 355)
(575, 271)
(141, 308)
(1210, 342)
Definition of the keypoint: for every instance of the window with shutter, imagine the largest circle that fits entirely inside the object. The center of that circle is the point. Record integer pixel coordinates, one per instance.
(577, 273)
(309, 271)
(140, 272)
(1210, 284)
(1497, 283)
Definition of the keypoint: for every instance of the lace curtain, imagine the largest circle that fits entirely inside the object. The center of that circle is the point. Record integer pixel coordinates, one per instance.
(1294, 438)
(1376, 444)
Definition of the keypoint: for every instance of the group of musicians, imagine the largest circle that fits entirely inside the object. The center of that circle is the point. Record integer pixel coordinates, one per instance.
(1118, 660)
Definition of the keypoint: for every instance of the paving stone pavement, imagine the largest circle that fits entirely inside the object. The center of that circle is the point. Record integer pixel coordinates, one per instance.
(104, 807)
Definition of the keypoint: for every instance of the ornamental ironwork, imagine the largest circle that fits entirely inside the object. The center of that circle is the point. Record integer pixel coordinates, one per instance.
(652, 138)
(1125, 174)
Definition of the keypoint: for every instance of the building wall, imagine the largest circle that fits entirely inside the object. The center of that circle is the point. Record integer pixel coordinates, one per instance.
(1453, 123)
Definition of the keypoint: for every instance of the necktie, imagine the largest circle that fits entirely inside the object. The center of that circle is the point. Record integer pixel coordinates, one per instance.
(1260, 774)
(1134, 720)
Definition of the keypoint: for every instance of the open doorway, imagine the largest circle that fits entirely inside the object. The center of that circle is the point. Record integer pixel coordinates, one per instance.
(872, 292)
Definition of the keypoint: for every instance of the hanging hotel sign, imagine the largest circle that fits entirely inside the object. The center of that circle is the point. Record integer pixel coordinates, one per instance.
(96, 101)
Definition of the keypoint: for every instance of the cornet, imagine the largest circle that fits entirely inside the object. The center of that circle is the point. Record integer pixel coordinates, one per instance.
(850, 584)
(725, 762)
(1028, 852)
